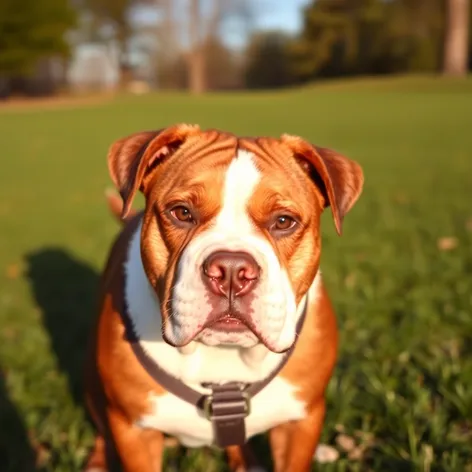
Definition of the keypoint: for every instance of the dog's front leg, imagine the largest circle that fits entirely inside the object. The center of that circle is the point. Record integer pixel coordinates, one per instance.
(242, 459)
(294, 444)
(139, 450)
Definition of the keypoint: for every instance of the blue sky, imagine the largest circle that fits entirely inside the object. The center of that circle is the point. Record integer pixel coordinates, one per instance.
(270, 14)
(280, 14)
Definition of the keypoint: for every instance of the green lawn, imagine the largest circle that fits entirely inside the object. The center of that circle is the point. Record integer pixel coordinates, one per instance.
(400, 277)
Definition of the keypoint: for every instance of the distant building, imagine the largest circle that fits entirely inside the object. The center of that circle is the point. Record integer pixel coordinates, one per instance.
(94, 67)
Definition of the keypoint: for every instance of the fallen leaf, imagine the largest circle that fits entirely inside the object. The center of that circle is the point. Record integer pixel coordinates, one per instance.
(325, 454)
(447, 243)
(13, 271)
(345, 442)
(356, 454)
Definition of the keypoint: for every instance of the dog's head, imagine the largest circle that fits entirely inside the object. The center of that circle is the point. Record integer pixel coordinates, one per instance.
(230, 239)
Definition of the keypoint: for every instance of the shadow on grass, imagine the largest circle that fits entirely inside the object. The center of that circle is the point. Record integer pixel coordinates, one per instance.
(16, 453)
(65, 290)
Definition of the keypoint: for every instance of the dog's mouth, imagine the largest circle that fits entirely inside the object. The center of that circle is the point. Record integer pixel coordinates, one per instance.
(229, 323)
(233, 328)
(235, 324)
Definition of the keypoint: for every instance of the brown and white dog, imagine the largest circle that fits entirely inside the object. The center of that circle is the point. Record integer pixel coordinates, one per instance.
(217, 281)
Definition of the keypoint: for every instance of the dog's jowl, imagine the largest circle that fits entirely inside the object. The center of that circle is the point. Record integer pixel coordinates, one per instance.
(214, 323)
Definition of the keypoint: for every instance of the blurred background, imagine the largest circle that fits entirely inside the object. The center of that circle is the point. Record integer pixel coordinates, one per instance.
(52, 46)
(384, 82)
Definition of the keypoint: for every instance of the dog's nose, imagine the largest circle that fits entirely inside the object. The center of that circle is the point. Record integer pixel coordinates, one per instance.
(230, 274)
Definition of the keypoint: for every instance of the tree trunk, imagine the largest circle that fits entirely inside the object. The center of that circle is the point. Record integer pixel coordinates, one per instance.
(457, 38)
(125, 71)
(197, 78)
(196, 58)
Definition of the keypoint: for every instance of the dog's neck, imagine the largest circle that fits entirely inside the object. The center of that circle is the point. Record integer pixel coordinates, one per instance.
(198, 363)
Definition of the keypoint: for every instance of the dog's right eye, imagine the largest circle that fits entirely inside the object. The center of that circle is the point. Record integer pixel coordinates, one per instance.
(183, 214)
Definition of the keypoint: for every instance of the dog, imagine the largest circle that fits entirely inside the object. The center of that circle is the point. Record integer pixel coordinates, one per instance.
(214, 325)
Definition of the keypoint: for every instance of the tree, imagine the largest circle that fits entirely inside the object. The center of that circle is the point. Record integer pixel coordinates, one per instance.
(413, 36)
(31, 32)
(204, 22)
(196, 54)
(336, 34)
(223, 69)
(190, 30)
(351, 37)
(267, 61)
(457, 38)
(171, 67)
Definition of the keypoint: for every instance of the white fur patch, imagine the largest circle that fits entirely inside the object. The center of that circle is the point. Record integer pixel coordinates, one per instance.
(242, 177)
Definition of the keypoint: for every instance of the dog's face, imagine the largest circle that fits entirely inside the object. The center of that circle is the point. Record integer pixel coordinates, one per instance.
(231, 230)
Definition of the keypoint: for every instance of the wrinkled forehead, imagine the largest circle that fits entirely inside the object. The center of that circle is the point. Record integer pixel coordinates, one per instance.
(280, 176)
(248, 170)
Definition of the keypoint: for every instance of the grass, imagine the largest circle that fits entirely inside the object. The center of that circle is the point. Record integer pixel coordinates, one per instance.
(400, 277)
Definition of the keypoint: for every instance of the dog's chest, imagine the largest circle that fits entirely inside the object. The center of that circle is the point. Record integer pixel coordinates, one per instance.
(274, 405)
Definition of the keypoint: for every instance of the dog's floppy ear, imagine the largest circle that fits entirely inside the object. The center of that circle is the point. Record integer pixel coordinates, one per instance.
(131, 159)
(339, 178)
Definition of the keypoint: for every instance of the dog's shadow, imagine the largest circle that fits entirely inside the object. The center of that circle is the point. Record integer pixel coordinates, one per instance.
(65, 290)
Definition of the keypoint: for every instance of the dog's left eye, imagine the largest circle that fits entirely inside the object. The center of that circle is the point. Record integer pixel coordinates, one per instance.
(284, 223)
(182, 214)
